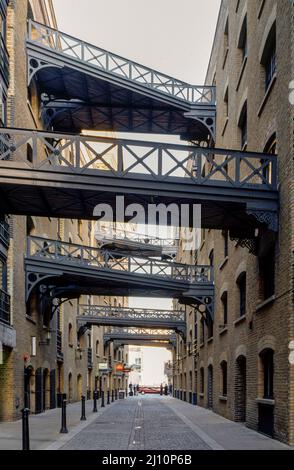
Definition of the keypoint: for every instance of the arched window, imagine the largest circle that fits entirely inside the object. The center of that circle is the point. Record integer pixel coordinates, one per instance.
(267, 362)
(224, 299)
(268, 58)
(241, 283)
(224, 377)
(70, 335)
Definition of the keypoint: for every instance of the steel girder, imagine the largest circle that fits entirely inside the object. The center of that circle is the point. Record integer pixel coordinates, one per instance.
(68, 176)
(87, 87)
(89, 315)
(67, 270)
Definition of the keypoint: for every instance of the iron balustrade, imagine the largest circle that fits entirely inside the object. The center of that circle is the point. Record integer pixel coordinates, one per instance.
(4, 233)
(71, 253)
(140, 334)
(138, 331)
(4, 307)
(105, 234)
(85, 53)
(132, 159)
(101, 312)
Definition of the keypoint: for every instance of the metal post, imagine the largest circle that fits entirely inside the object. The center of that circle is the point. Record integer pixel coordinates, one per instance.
(112, 396)
(108, 397)
(102, 399)
(25, 429)
(63, 429)
(95, 397)
(126, 392)
(83, 416)
(115, 394)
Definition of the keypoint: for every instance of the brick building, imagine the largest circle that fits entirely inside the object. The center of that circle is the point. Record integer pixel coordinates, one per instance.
(42, 355)
(238, 365)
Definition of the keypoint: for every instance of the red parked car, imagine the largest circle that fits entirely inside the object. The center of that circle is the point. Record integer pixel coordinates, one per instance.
(150, 390)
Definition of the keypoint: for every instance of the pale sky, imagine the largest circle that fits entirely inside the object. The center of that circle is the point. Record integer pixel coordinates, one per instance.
(172, 36)
(175, 37)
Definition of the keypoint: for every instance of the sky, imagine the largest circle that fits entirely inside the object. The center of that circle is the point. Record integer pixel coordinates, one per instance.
(174, 37)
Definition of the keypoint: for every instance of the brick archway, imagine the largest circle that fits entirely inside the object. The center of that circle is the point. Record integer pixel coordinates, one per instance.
(240, 389)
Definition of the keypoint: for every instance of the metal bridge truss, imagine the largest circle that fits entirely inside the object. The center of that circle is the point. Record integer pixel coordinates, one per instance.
(86, 87)
(140, 335)
(131, 317)
(116, 238)
(59, 175)
(69, 270)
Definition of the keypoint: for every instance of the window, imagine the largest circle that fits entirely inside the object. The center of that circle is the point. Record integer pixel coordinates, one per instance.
(226, 41)
(202, 380)
(70, 335)
(225, 234)
(209, 327)
(80, 228)
(270, 148)
(29, 153)
(226, 102)
(243, 41)
(224, 376)
(211, 258)
(3, 27)
(267, 361)
(242, 294)
(268, 59)
(3, 109)
(267, 273)
(97, 348)
(224, 300)
(3, 275)
(243, 127)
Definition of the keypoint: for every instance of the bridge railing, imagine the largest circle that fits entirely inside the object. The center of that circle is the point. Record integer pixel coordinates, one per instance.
(74, 254)
(133, 159)
(115, 233)
(96, 311)
(109, 62)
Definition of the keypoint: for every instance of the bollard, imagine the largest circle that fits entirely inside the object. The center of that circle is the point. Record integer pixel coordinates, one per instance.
(112, 396)
(95, 397)
(25, 429)
(83, 402)
(115, 394)
(102, 399)
(63, 429)
(108, 397)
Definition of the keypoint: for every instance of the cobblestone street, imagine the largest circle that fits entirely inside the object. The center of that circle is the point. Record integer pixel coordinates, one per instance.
(160, 423)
